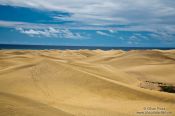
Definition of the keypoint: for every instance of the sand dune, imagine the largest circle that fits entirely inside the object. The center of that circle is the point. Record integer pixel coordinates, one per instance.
(85, 82)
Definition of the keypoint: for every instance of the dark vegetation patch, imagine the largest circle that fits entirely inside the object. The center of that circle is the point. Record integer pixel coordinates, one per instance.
(168, 88)
(159, 86)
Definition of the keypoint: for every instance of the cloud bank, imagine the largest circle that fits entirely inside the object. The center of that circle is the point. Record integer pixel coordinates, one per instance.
(154, 16)
(99, 12)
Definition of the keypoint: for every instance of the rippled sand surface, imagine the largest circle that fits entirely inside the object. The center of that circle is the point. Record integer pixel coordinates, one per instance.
(86, 82)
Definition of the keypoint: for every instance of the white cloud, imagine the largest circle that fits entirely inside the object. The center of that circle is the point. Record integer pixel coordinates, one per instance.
(133, 40)
(156, 28)
(102, 33)
(112, 31)
(50, 32)
(162, 31)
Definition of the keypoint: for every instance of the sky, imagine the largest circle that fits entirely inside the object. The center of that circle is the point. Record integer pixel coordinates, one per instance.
(118, 23)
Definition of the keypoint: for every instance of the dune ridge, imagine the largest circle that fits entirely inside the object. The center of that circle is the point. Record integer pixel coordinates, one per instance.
(84, 82)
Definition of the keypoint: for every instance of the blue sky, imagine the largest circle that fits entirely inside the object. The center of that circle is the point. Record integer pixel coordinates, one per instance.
(133, 23)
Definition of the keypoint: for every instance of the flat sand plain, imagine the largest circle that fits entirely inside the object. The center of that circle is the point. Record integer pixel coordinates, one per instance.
(86, 82)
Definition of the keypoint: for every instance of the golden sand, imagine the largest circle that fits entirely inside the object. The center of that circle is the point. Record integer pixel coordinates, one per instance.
(85, 82)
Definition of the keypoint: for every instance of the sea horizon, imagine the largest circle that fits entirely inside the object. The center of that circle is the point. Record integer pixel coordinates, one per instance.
(68, 47)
